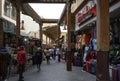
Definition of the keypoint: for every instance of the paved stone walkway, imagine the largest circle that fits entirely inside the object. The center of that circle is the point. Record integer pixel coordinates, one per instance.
(55, 72)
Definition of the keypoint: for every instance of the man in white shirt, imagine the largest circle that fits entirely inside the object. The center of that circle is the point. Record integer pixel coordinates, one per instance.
(58, 53)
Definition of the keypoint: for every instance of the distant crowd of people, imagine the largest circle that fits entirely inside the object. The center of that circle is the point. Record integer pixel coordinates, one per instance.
(47, 54)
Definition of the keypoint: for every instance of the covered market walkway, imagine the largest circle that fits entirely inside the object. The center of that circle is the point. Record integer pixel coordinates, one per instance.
(55, 72)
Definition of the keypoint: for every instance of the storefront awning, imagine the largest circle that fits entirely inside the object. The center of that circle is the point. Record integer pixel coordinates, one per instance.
(10, 32)
(83, 26)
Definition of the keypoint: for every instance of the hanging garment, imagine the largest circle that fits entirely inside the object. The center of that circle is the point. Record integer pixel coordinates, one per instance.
(94, 42)
(87, 38)
(85, 53)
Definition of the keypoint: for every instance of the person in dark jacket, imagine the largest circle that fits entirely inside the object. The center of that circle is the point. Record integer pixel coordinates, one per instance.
(21, 58)
(5, 59)
(38, 57)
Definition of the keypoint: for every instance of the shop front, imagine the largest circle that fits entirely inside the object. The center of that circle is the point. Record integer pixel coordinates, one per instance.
(114, 53)
(86, 37)
(7, 45)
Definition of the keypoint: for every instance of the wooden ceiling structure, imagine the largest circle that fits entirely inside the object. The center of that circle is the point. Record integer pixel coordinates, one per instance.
(51, 31)
(49, 20)
(43, 1)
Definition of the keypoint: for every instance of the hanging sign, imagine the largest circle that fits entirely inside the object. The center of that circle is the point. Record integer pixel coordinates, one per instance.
(88, 11)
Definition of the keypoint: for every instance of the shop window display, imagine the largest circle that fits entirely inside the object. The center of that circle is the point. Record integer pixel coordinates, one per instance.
(86, 44)
(115, 31)
(114, 54)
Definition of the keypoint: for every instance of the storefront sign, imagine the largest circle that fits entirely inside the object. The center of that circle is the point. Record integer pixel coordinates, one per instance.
(86, 18)
(88, 11)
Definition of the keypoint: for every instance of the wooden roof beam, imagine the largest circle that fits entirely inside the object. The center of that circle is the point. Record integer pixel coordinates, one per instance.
(51, 31)
(49, 20)
(64, 13)
(43, 1)
(27, 9)
(49, 35)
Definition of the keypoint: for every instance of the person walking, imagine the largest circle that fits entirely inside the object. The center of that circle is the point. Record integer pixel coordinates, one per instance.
(47, 53)
(38, 57)
(21, 58)
(51, 53)
(5, 59)
(58, 53)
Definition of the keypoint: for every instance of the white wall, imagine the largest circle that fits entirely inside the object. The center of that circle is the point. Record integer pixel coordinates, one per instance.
(29, 24)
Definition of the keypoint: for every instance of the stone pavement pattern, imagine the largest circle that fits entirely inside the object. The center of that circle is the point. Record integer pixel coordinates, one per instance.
(55, 72)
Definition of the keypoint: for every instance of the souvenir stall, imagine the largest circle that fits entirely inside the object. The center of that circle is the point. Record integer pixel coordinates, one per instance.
(114, 53)
(86, 47)
(7, 46)
(115, 42)
(86, 37)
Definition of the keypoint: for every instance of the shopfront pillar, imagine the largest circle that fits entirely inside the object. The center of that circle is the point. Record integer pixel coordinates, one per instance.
(49, 41)
(41, 35)
(102, 40)
(46, 40)
(69, 65)
(73, 39)
(58, 34)
(1, 33)
(17, 26)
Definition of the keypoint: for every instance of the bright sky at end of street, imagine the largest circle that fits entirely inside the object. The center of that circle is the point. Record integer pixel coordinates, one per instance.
(48, 11)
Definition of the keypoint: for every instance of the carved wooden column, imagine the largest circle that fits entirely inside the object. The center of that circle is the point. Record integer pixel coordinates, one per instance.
(46, 40)
(1, 33)
(58, 34)
(41, 35)
(69, 65)
(102, 40)
(17, 26)
(49, 40)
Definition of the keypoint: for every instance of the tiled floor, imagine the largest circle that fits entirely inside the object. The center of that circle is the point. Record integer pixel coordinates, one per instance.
(55, 72)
